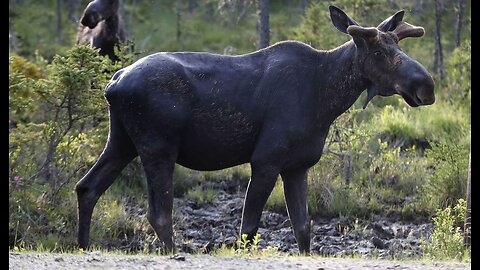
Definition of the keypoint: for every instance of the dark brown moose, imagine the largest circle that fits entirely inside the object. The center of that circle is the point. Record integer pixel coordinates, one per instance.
(271, 108)
(101, 26)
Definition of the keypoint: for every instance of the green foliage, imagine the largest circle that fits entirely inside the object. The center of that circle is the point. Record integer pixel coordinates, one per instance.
(276, 200)
(415, 126)
(446, 241)
(316, 27)
(201, 195)
(330, 197)
(112, 221)
(60, 129)
(37, 217)
(185, 179)
(245, 247)
(346, 203)
(458, 80)
(63, 102)
(317, 30)
(448, 183)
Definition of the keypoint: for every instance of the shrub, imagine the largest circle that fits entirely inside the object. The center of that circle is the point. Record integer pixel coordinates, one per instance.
(446, 241)
(61, 129)
(448, 182)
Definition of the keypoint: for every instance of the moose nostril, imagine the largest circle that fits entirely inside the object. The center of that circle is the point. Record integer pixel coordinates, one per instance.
(427, 100)
(426, 94)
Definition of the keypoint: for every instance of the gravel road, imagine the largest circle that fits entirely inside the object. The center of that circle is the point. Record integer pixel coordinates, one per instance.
(97, 260)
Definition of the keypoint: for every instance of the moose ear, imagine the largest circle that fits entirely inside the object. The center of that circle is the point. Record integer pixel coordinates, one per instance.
(340, 20)
(391, 22)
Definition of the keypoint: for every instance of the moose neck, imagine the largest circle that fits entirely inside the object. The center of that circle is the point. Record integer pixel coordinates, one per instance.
(112, 23)
(339, 79)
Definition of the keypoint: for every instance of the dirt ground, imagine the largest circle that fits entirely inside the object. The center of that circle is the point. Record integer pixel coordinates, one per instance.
(97, 260)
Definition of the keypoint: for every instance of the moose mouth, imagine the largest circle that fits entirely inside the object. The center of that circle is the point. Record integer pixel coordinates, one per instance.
(412, 101)
(411, 98)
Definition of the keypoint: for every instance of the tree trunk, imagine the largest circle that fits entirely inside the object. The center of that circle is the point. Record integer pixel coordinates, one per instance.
(418, 6)
(71, 11)
(458, 22)
(263, 26)
(179, 18)
(438, 59)
(121, 8)
(59, 21)
(130, 18)
(304, 6)
(467, 225)
(192, 4)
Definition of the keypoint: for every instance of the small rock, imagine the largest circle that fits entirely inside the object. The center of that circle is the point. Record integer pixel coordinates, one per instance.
(178, 257)
(59, 259)
(378, 243)
(383, 231)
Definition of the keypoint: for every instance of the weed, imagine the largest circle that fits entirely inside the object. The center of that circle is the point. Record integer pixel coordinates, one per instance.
(246, 247)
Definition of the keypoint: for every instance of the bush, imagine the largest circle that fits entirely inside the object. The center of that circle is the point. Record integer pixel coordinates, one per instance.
(446, 241)
(60, 130)
(448, 183)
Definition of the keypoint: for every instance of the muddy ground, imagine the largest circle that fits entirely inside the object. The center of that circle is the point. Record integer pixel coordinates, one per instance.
(205, 227)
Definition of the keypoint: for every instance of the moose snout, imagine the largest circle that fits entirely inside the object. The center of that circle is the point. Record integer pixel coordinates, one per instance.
(90, 20)
(425, 92)
(420, 89)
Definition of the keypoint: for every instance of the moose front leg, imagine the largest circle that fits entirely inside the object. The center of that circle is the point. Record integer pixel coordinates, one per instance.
(295, 190)
(259, 188)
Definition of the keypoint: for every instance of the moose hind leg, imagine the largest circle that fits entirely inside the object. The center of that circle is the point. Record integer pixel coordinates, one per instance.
(159, 163)
(295, 190)
(118, 152)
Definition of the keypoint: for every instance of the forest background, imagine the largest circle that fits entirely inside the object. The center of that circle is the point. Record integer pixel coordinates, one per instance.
(389, 159)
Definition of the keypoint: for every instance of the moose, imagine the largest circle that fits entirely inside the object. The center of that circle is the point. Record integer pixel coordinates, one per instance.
(271, 108)
(101, 26)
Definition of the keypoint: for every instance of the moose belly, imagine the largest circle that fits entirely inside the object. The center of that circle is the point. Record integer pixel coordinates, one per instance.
(200, 152)
(216, 139)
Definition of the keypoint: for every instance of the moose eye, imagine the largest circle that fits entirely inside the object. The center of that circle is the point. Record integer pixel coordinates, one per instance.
(377, 53)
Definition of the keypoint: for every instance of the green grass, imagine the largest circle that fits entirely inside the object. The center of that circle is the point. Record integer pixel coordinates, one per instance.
(201, 195)
(276, 200)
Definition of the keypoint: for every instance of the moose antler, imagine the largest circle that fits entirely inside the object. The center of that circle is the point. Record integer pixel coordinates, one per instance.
(364, 32)
(404, 30)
